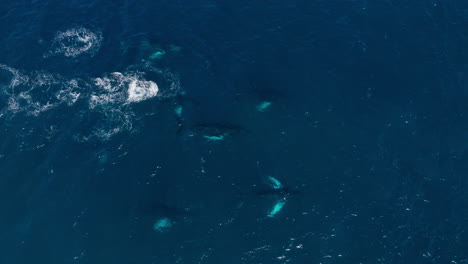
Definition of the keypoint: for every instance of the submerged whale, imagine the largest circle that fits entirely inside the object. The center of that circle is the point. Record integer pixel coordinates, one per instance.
(157, 208)
(163, 216)
(217, 131)
(212, 131)
(278, 192)
(284, 191)
(276, 188)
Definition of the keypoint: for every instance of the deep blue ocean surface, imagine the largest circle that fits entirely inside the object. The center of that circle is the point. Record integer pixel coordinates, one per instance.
(234, 132)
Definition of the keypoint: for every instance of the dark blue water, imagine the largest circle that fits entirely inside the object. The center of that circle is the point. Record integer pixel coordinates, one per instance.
(364, 123)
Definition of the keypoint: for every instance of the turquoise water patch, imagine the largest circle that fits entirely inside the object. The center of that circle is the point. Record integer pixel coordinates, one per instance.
(178, 111)
(214, 138)
(174, 48)
(157, 54)
(263, 106)
(162, 224)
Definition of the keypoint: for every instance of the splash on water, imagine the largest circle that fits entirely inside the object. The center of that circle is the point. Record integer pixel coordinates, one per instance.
(105, 102)
(74, 42)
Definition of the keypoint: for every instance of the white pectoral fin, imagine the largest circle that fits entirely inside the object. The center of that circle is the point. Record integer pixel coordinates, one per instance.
(213, 138)
(275, 183)
(277, 207)
(263, 106)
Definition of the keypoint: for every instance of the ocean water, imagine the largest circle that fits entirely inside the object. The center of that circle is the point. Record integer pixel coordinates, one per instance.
(233, 131)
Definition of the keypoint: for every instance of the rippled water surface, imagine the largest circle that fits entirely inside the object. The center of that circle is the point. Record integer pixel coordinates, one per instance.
(233, 132)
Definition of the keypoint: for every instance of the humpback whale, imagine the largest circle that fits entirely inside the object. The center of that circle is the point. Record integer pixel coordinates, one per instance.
(166, 210)
(215, 131)
(276, 188)
(162, 216)
(279, 192)
(284, 191)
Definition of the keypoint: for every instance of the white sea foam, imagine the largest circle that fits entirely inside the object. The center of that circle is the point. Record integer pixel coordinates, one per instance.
(122, 88)
(17, 77)
(140, 90)
(109, 98)
(75, 41)
(37, 92)
(70, 94)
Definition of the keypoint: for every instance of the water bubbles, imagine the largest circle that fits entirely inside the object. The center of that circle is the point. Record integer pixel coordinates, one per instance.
(102, 105)
(140, 90)
(74, 42)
